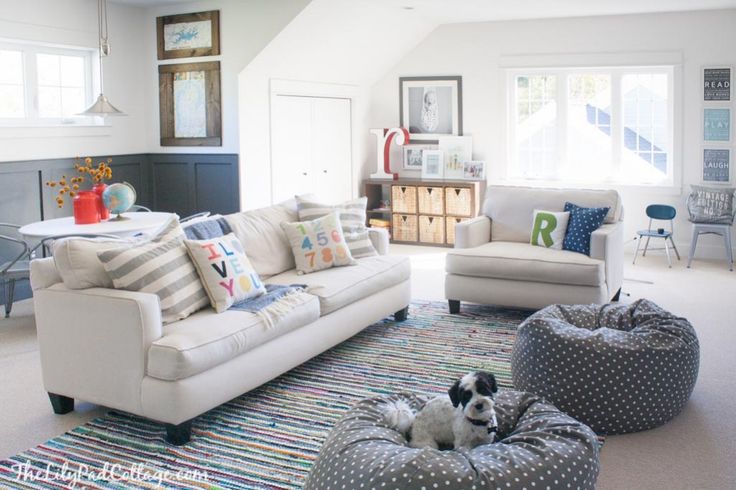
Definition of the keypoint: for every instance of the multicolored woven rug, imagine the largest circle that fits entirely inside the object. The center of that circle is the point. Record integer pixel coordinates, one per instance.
(269, 438)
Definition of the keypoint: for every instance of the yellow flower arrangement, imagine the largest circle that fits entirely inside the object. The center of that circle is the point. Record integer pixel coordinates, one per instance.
(71, 186)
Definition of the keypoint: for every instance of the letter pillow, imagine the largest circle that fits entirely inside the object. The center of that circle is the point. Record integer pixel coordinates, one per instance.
(318, 244)
(548, 228)
(225, 271)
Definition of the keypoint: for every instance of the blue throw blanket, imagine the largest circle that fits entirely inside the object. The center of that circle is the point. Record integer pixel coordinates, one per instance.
(274, 292)
(206, 229)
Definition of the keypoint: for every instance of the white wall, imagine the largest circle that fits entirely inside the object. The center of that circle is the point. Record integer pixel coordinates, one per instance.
(74, 23)
(246, 27)
(475, 51)
(346, 43)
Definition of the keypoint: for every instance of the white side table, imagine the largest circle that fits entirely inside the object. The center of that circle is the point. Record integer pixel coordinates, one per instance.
(137, 223)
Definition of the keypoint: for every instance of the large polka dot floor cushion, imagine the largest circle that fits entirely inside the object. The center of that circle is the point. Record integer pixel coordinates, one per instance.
(540, 447)
(617, 368)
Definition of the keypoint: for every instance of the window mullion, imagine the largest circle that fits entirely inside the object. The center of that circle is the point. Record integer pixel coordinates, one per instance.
(562, 120)
(617, 124)
(31, 83)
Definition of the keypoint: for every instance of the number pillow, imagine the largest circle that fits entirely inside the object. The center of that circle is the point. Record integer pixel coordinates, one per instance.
(225, 271)
(318, 244)
(548, 228)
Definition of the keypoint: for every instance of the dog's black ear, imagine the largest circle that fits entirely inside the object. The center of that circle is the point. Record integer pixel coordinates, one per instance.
(491, 380)
(454, 393)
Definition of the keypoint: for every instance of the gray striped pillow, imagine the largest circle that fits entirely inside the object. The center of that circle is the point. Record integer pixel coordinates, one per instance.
(352, 219)
(160, 266)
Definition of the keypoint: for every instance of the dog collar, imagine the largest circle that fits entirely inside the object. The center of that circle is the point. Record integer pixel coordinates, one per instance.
(481, 423)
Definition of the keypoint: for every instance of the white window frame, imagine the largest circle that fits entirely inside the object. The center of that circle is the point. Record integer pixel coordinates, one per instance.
(32, 118)
(673, 178)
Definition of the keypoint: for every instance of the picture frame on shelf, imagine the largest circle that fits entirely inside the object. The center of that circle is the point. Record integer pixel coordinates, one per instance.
(413, 156)
(432, 164)
(189, 104)
(717, 124)
(474, 170)
(431, 107)
(188, 35)
(716, 165)
(456, 151)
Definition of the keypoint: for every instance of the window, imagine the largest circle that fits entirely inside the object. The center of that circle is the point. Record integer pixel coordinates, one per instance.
(592, 125)
(41, 85)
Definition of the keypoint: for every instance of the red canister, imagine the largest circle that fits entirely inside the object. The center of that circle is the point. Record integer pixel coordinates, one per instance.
(86, 210)
(99, 189)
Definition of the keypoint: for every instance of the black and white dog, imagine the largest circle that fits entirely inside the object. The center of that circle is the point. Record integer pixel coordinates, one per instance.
(464, 418)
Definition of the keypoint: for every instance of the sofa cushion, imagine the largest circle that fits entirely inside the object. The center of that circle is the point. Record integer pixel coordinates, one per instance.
(207, 339)
(264, 241)
(511, 208)
(525, 262)
(341, 286)
(77, 262)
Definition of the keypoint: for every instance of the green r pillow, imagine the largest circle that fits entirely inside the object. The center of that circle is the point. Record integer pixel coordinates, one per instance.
(548, 228)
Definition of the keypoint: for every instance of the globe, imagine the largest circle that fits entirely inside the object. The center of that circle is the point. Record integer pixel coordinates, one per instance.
(118, 198)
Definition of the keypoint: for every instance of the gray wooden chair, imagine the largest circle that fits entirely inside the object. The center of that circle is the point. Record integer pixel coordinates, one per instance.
(15, 269)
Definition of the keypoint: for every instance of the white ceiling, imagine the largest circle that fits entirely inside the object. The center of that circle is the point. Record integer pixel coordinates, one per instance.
(450, 11)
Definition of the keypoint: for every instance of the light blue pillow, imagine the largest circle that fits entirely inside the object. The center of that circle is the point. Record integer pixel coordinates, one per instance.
(583, 222)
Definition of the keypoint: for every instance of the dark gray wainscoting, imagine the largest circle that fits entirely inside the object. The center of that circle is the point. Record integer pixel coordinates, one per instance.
(182, 183)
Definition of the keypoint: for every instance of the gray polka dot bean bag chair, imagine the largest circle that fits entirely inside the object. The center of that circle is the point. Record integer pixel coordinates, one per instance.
(539, 447)
(617, 368)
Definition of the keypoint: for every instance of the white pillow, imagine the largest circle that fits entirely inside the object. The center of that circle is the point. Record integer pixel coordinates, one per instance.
(548, 228)
(226, 273)
(77, 262)
(318, 244)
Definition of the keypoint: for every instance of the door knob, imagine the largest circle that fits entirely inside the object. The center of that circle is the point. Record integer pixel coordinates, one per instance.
(304, 173)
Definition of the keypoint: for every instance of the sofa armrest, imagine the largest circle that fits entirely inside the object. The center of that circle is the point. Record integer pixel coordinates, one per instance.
(44, 273)
(607, 244)
(379, 238)
(94, 343)
(473, 232)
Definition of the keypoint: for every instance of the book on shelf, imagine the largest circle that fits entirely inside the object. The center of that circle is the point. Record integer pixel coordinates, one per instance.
(379, 223)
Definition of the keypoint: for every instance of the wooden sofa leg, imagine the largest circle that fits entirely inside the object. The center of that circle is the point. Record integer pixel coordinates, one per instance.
(454, 306)
(178, 435)
(61, 404)
(402, 314)
(617, 296)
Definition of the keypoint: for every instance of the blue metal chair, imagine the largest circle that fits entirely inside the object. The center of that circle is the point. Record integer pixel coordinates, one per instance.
(659, 212)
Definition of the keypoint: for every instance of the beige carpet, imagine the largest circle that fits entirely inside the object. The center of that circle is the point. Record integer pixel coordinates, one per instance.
(694, 451)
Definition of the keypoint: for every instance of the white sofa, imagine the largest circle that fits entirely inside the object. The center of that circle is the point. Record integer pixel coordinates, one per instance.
(493, 262)
(109, 346)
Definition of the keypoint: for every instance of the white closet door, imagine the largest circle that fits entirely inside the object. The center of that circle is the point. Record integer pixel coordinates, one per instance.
(291, 147)
(332, 149)
(311, 147)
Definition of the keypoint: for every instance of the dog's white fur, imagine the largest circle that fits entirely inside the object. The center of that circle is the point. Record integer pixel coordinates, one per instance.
(444, 420)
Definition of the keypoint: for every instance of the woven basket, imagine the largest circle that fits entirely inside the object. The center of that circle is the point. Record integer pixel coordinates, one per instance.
(459, 201)
(431, 229)
(404, 199)
(405, 228)
(450, 228)
(431, 200)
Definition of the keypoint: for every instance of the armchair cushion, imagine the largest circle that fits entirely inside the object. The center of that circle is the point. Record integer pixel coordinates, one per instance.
(526, 262)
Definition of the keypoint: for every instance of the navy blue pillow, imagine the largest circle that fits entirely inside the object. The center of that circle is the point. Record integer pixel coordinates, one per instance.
(583, 222)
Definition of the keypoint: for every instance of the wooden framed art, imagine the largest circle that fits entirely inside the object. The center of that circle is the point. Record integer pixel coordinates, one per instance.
(188, 35)
(431, 107)
(189, 104)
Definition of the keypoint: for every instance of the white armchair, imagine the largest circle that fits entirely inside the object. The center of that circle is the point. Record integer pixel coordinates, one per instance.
(494, 263)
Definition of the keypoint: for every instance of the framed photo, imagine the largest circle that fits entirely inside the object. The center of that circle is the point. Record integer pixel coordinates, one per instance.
(432, 167)
(188, 35)
(474, 170)
(413, 156)
(717, 165)
(717, 124)
(457, 150)
(430, 107)
(189, 104)
(717, 84)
